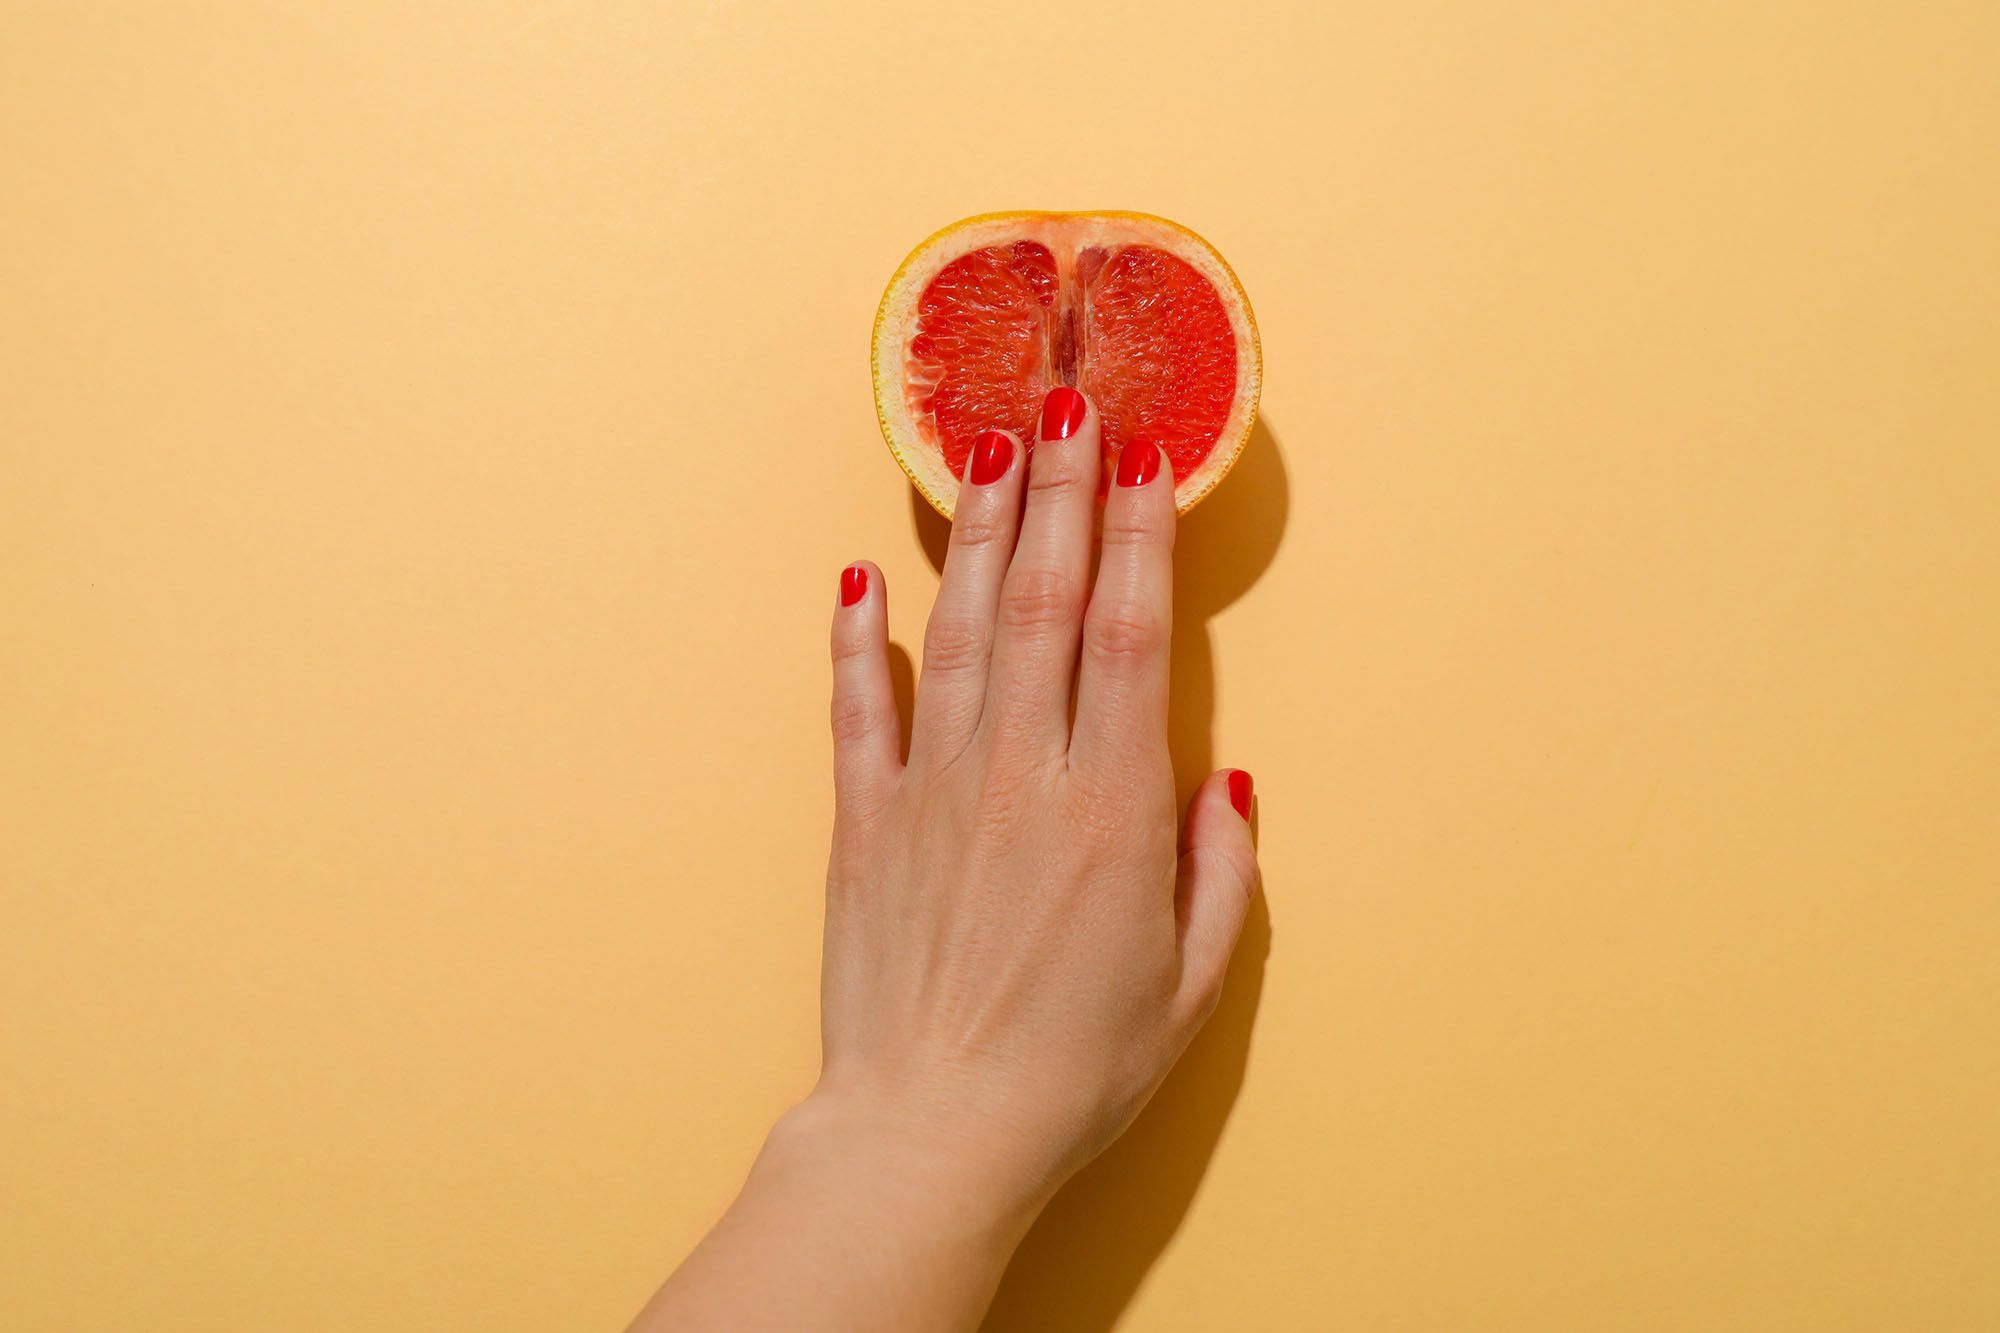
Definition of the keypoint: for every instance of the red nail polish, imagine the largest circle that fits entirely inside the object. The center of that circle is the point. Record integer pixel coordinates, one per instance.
(991, 454)
(1239, 791)
(853, 585)
(1139, 463)
(1062, 413)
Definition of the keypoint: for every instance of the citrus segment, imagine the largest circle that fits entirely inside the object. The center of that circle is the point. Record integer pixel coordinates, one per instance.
(978, 358)
(1162, 359)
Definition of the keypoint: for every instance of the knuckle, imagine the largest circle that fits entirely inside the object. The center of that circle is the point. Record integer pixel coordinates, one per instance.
(1130, 527)
(1017, 737)
(1235, 864)
(1002, 812)
(1040, 599)
(1007, 784)
(854, 717)
(1107, 821)
(954, 644)
(977, 531)
(848, 647)
(1110, 800)
(1124, 633)
(1057, 472)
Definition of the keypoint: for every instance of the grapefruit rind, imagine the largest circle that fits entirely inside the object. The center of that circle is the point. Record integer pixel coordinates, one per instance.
(889, 344)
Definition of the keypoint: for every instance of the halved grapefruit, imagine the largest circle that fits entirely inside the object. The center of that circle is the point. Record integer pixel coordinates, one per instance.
(1140, 313)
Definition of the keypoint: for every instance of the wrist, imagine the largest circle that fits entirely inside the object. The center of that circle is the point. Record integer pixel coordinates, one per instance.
(852, 1217)
(912, 1166)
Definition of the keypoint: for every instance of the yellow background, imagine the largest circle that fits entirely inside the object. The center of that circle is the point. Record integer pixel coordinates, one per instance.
(431, 436)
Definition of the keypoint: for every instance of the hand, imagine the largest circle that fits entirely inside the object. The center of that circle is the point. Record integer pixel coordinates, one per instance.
(1017, 950)
(1015, 955)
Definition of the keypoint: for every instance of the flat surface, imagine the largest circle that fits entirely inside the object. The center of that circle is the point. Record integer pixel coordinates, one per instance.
(428, 440)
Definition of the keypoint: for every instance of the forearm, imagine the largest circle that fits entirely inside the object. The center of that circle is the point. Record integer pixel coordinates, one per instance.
(845, 1223)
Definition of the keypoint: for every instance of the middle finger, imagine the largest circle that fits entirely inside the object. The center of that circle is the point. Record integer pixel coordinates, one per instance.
(1042, 599)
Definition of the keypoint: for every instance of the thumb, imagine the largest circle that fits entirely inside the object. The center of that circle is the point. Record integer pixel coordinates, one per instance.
(1216, 877)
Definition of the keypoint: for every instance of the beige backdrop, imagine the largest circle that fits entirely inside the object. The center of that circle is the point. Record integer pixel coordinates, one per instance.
(431, 436)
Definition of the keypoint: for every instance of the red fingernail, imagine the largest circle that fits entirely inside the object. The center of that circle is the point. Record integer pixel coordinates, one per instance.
(991, 453)
(1139, 463)
(853, 585)
(1239, 791)
(1062, 413)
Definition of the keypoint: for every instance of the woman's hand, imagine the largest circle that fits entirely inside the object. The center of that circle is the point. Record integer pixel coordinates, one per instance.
(1017, 948)
(1015, 953)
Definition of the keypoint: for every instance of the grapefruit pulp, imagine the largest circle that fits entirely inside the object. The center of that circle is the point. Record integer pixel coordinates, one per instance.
(1141, 314)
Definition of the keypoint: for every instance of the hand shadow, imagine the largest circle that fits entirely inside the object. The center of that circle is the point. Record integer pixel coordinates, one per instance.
(1084, 1258)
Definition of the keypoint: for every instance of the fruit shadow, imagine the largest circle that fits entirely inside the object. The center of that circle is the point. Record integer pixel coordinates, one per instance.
(1084, 1259)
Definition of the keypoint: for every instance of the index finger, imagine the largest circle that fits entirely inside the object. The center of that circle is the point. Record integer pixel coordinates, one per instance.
(1121, 695)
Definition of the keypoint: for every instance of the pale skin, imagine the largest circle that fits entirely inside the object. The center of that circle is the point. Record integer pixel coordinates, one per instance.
(1018, 946)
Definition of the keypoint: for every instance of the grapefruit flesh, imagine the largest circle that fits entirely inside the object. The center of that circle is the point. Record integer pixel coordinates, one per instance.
(1139, 313)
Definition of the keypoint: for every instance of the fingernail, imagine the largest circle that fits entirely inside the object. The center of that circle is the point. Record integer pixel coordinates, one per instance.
(1139, 463)
(991, 453)
(1062, 413)
(854, 587)
(1239, 791)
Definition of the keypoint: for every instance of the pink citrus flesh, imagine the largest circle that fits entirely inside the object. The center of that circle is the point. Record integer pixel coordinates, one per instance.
(1139, 313)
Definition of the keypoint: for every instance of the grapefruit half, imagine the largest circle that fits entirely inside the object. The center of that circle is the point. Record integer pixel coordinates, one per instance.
(1141, 314)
